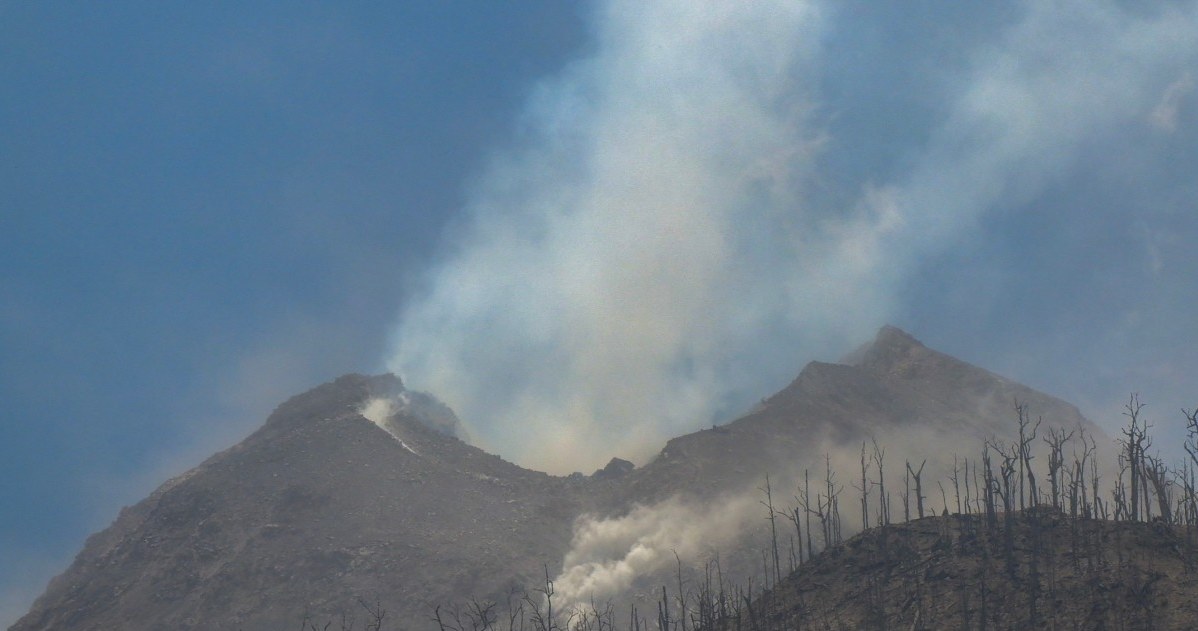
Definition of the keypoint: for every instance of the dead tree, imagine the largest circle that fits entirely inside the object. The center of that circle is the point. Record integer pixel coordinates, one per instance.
(1135, 441)
(804, 502)
(1157, 474)
(663, 611)
(797, 519)
(1026, 439)
(1188, 472)
(481, 615)
(1191, 442)
(1087, 457)
(957, 484)
(907, 492)
(769, 505)
(864, 488)
(543, 617)
(682, 609)
(1056, 440)
(966, 472)
(988, 492)
(374, 615)
(1119, 493)
(1008, 471)
(879, 456)
(915, 475)
(832, 497)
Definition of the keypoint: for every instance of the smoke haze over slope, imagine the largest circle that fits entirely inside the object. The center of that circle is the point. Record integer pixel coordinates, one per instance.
(650, 216)
(661, 241)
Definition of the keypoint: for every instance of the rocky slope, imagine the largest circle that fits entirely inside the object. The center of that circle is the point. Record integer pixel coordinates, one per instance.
(894, 389)
(952, 572)
(323, 506)
(316, 509)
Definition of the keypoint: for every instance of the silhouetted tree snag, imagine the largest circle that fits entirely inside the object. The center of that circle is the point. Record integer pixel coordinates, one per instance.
(1157, 474)
(481, 614)
(375, 614)
(1189, 473)
(769, 505)
(957, 484)
(1006, 489)
(988, 490)
(829, 512)
(1135, 441)
(864, 488)
(1080, 502)
(514, 611)
(907, 492)
(1191, 441)
(915, 475)
(1024, 449)
(879, 456)
(1056, 440)
(795, 518)
(682, 610)
(543, 619)
(1008, 471)
(663, 611)
(965, 471)
(804, 502)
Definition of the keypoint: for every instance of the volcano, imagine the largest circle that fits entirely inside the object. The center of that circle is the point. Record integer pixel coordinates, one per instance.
(358, 491)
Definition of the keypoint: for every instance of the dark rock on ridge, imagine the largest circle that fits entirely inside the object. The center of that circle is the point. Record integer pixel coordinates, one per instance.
(615, 468)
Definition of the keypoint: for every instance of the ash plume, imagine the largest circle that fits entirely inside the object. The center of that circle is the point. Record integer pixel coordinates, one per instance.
(650, 255)
(608, 554)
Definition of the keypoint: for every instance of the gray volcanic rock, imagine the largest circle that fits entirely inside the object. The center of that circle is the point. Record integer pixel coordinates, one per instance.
(316, 509)
(894, 389)
(615, 468)
(359, 489)
(916, 402)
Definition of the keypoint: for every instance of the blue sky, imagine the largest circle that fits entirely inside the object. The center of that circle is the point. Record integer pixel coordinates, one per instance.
(566, 219)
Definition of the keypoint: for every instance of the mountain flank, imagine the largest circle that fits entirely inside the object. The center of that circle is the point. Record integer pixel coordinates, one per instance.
(1038, 570)
(359, 489)
(318, 508)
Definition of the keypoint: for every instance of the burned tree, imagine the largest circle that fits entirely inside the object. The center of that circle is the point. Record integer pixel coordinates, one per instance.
(1056, 440)
(879, 456)
(915, 475)
(1026, 438)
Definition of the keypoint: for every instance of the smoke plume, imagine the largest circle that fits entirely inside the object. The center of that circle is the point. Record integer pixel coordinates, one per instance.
(652, 252)
(627, 270)
(607, 555)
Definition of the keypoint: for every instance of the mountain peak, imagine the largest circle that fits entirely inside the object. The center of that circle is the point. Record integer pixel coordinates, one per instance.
(889, 347)
(333, 399)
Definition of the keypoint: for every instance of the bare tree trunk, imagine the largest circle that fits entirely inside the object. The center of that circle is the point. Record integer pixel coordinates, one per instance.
(1026, 440)
(769, 504)
(1134, 437)
(1056, 440)
(915, 475)
(864, 488)
(879, 456)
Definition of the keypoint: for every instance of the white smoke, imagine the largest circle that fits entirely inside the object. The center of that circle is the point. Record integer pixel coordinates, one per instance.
(628, 268)
(380, 410)
(607, 555)
(647, 256)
